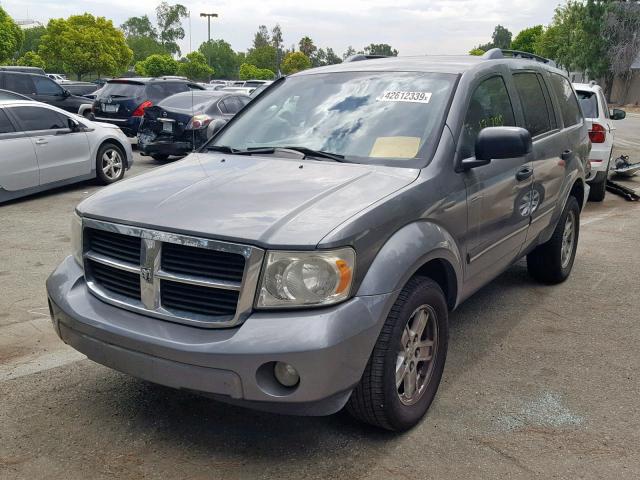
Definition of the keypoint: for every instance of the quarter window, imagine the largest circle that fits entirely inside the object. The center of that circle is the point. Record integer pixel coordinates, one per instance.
(490, 106)
(534, 105)
(38, 118)
(5, 124)
(569, 108)
(19, 83)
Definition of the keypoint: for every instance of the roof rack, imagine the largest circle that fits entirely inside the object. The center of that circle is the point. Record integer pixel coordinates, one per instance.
(361, 56)
(496, 53)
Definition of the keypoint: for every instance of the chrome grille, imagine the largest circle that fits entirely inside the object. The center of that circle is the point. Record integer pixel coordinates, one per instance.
(181, 278)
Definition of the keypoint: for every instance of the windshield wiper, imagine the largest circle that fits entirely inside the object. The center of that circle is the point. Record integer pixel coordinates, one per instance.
(307, 152)
(226, 149)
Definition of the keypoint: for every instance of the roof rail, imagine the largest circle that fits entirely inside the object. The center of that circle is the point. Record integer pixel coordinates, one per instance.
(496, 53)
(361, 56)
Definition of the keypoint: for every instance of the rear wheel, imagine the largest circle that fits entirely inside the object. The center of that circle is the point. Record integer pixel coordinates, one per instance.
(110, 163)
(552, 261)
(405, 367)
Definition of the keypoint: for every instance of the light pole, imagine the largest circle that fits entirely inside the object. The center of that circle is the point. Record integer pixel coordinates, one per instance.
(209, 15)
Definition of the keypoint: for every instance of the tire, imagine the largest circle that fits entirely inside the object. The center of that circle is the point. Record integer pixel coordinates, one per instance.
(105, 174)
(378, 399)
(548, 263)
(598, 191)
(160, 157)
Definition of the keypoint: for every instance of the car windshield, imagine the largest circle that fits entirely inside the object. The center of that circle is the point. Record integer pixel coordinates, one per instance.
(369, 117)
(589, 103)
(122, 89)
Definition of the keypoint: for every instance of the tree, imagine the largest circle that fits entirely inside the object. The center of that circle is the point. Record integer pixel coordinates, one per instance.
(83, 43)
(194, 66)
(221, 58)
(263, 57)
(277, 42)
(261, 38)
(478, 52)
(157, 66)
(501, 37)
(349, 52)
(139, 27)
(295, 62)
(307, 47)
(526, 40)
(10, 37)
(332, 58)
(319, 58)
(31, 59)
(142, 47)
(170, 25)
(380, 49)
(251, 72)
(31, 40)
(621, 32)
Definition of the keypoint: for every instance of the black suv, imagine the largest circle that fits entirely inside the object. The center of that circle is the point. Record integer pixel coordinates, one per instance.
(123, 101)
(42, 89)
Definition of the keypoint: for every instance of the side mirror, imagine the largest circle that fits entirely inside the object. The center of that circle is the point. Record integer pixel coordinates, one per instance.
(66, 93)
(74, 126)
(618, 114)
(494, 143)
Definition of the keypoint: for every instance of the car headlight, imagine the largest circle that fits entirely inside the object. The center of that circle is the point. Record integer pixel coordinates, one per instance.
(295, 279)
(76, 238)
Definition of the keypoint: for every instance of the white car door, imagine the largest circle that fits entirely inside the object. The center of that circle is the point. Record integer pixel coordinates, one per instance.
(62, 153)
(18, 163)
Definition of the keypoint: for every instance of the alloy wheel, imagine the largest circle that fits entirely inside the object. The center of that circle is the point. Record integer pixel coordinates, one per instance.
(112, 163)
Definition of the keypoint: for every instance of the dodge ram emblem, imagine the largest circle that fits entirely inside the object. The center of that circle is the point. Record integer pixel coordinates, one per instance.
(145, 273)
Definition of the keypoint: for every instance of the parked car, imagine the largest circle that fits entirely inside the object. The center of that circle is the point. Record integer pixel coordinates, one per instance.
(44, 147)
(241, 90)
(9, 95)
(308, 256)
(56, 77)
(42, 89)
(123, 100)
(181, 123)
(22, 69)
(602, 135)
(258, 90)
(100, 81)
(82, 89)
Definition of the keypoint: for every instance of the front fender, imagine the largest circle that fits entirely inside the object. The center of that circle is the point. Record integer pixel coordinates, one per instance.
(405, 252)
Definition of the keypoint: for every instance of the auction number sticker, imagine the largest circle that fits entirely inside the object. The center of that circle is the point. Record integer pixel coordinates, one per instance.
(400, 96)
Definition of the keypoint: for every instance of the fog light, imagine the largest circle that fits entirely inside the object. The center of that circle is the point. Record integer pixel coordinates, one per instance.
(286, 374)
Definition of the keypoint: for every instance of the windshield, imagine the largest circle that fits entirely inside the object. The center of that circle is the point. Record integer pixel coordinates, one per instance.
(589, 103)
(188, 99)
(122, 89)
(369, 117)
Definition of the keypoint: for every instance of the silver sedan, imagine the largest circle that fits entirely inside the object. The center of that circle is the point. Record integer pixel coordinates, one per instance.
(44, 147)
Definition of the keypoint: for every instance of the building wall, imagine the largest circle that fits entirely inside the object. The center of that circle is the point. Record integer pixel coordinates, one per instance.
(632, 96)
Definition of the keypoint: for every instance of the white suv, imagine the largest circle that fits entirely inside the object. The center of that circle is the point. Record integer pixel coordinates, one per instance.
(602, 134)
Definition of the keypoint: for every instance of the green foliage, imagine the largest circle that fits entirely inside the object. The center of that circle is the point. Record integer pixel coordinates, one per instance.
(501, 37)
(11, 37)
(83, 43)
(526, 40)
(170, 25)
(332, 58)
(261, 38)
(195, 67)
(307, 46)
(139, 27)
(142, 47)
(349, 52)
(157, 66)
(478, 52)
(263, 57)
(31, 59)
(380, 49)
(221, 58)
(295, 62)
(31, 40)
(251, 72)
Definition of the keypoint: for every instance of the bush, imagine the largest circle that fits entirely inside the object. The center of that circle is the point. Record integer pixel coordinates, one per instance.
(251, 72)
(194, 66)
(31, 59)
(157, 66)
(295, 62)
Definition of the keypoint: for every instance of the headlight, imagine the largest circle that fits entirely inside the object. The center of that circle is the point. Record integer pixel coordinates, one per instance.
(317, 278)
(76, 238)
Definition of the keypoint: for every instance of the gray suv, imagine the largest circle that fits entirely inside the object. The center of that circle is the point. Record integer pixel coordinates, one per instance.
(307, 258)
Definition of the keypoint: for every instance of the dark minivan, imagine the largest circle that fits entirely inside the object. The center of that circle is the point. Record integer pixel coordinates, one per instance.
(123, 101)
(42, 89)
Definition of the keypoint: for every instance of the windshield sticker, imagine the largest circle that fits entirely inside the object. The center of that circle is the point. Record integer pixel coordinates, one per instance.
(395, 147)
(400, 96)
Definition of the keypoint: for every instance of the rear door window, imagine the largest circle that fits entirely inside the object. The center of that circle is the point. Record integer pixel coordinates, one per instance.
(534, 105)
(5, 124)
(46, 86)
(490, 106)
(569, 108)
(39, 118)
(19, 83)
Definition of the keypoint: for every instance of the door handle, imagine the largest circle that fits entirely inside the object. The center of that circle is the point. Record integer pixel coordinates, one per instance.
(524, 173)
(41, 141)
(566, 155)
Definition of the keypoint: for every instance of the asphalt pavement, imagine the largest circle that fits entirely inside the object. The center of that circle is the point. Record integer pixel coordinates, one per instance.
(540, 382)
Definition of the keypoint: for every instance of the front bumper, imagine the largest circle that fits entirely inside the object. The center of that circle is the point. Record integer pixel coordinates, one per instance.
(329, 347)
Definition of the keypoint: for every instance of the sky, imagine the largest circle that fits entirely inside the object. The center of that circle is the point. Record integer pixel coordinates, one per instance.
(413, 27)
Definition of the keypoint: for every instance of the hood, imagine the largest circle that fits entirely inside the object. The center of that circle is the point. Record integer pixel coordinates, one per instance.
(265, 201)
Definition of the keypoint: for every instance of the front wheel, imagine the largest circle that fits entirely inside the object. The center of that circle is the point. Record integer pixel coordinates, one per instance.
(403, 373)
(110, 163)
(552, 261)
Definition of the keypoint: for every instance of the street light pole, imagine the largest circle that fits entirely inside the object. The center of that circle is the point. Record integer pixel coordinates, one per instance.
(209, 15)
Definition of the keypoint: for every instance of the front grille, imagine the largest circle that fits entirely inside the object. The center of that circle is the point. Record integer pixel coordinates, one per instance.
(174, 277)
(201, 262)
(197, 299)
(115, 245)
(116, 280)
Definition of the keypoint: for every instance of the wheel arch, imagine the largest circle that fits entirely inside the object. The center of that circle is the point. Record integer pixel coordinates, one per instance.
(577, 191)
